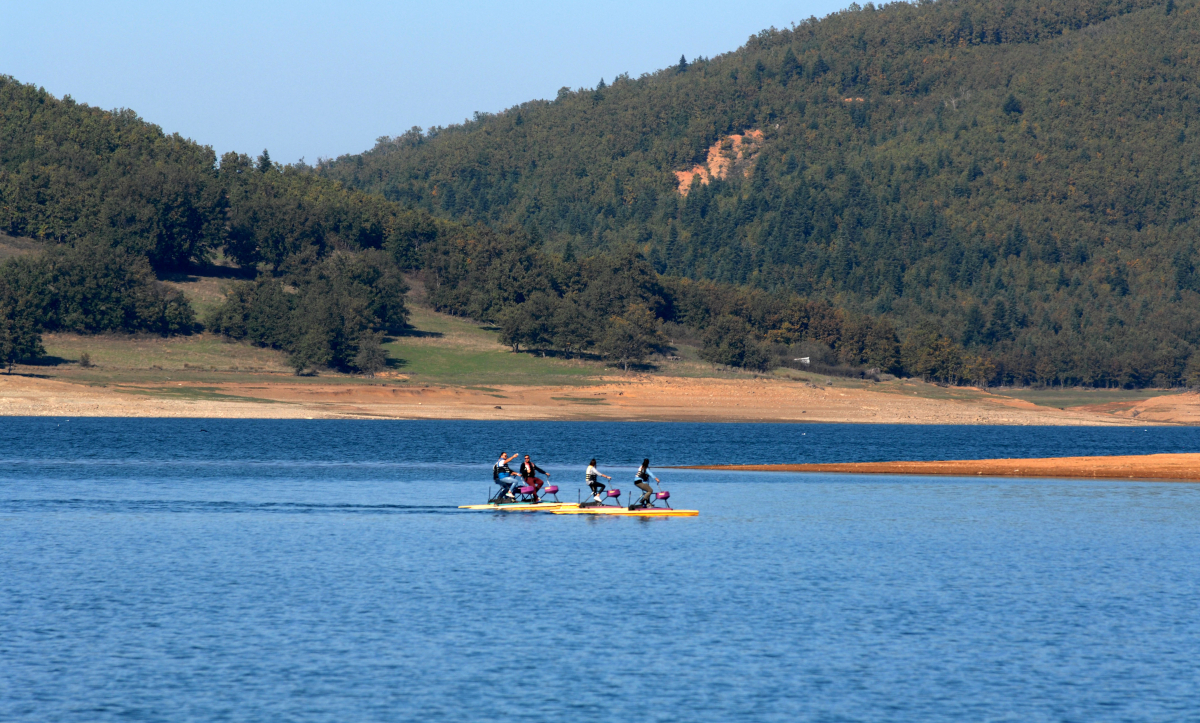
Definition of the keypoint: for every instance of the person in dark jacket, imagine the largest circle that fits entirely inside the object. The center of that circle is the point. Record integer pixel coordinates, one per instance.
(529, 472)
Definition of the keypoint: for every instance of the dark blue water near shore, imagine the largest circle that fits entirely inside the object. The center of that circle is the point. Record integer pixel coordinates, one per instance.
(569, 443)
(320, 571)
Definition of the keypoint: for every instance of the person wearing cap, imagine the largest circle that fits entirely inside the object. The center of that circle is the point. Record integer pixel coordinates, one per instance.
(503, 475)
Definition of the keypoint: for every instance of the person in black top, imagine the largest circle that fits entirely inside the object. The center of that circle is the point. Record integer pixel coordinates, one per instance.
(642, 482)
(529, 472)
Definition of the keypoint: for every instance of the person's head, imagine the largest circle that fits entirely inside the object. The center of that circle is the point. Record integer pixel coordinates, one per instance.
(526, 458)
(646, 462)
(593, 462)
(502, 455)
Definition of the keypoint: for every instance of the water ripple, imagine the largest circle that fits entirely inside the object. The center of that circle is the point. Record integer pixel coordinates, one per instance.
(321, 572)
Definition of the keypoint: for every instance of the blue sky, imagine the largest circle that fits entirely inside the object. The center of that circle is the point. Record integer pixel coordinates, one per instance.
(322, 79)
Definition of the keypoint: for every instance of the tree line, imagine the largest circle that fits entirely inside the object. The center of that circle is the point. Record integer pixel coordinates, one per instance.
(333, 313)
(616, 306)
(71, 173)
(88, 288)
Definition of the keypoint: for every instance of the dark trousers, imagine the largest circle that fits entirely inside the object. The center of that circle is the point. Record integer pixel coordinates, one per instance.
(597, 487)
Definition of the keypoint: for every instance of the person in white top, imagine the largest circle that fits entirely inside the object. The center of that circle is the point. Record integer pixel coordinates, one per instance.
(596, 485)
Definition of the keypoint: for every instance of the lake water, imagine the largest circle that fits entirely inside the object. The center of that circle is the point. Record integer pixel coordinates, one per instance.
(246, 570)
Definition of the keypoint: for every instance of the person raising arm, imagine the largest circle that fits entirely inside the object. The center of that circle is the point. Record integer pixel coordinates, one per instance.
(503, 475)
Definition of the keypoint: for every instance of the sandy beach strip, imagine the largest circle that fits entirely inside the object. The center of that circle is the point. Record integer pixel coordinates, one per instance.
(1178, 467)
(614, 398)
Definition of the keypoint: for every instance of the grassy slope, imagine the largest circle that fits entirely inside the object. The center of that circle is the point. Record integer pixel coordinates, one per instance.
(1078, 397)
(11, 246)
(157, 356)
(203, 291)
(441, 350)
(449, 350)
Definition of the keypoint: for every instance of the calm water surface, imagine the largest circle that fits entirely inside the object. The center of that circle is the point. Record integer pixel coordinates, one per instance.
(157, 570)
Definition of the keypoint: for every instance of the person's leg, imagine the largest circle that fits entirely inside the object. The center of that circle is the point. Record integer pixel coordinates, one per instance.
(647, 492)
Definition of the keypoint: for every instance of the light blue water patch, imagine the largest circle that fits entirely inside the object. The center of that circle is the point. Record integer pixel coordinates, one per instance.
(301, 571)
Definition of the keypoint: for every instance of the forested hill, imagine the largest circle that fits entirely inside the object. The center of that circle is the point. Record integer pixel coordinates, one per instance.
(114, 199)
(1021, 173)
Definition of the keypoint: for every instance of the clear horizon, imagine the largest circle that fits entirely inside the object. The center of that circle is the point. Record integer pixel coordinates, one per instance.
(308, 81)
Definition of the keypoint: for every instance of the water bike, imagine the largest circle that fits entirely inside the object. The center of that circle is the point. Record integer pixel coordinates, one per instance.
(613, 496)
(528, 493)
(524, 500)
(504, 493)
(616, 508)
(660, 496)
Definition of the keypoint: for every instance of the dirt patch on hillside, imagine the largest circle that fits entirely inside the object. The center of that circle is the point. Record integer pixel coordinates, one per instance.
(12, 246)
(732, 154)
(1174, 408)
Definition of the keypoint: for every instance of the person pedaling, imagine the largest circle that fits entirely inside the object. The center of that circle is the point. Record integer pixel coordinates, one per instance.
(503, 475)
(529, 472)
(594, 484)
(642, 482)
